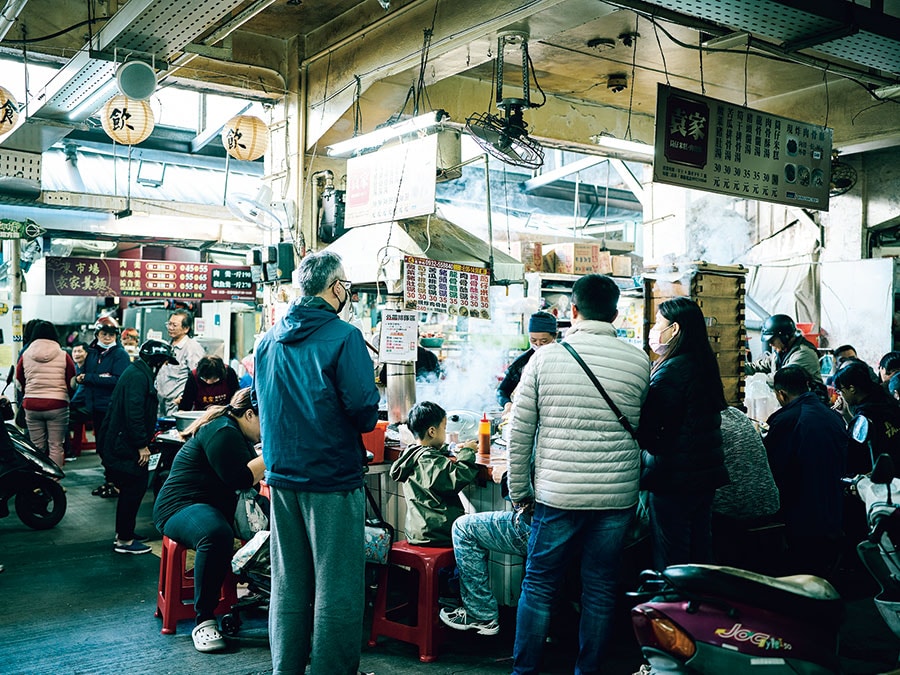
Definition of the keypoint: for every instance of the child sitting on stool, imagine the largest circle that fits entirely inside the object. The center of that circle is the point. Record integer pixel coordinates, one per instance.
(432, 477)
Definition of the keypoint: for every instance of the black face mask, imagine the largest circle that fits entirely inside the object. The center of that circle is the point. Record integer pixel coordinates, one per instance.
(342, 303)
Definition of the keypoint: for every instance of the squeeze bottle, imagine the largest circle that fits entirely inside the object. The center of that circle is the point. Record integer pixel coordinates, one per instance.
(484, 436)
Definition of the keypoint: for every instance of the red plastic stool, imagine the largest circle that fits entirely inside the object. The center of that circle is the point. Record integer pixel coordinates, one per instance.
(79, 439)
(175, 596)
(428, 632)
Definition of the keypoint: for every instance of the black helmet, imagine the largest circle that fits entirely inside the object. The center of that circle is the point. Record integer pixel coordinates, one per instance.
(780, 326)
(156, 353)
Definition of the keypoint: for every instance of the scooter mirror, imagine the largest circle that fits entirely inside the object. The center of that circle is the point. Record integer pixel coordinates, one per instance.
(883, 473)
(860, 429)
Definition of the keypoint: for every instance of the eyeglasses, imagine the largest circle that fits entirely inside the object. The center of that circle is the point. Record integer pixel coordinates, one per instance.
(173, 324)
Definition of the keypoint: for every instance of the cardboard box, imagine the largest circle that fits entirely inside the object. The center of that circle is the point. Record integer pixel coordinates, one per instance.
(621, 266)
(530, 253)
(604, 262)
(548, 262)
(577, 258)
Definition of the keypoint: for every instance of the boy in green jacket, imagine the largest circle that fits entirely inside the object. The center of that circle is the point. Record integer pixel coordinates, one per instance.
(432, 477)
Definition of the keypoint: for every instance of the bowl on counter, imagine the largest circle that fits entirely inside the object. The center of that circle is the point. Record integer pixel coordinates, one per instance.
(431, 342)
(185, 418)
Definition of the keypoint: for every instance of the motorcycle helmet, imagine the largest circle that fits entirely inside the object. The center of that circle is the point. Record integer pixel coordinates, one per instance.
(779, 326)
(156, 353)
(107, 324)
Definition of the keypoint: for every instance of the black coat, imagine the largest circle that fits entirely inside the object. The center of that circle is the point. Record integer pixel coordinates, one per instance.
(883, 413)
(679, 431)
(513, 375)
(130, 420)
(807, 448)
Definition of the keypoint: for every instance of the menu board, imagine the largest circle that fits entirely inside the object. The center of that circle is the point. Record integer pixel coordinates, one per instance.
(391, 184)
(123, 277)
(399, 337)
(449, 288)
(707, 144)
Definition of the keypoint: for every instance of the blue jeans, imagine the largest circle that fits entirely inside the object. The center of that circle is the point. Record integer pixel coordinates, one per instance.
(318, 581)
(474, 537)
(556, 536)
(681, 528)
(203, 528)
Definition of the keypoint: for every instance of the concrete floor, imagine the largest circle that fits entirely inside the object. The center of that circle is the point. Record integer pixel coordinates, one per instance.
(71, 605)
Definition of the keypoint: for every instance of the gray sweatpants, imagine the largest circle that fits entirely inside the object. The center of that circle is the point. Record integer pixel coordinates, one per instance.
(318, 584)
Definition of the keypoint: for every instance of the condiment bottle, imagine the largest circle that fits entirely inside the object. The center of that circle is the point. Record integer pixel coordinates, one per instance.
(484, 436)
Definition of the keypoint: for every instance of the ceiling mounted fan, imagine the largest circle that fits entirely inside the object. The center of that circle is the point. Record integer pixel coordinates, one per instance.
(506, 137)
(260, 209)
(843, 177)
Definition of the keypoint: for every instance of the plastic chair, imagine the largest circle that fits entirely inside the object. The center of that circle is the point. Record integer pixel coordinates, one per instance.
(175, 595)
(428, 632)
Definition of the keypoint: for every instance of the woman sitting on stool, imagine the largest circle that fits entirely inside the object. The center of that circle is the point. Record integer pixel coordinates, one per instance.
(196, 504)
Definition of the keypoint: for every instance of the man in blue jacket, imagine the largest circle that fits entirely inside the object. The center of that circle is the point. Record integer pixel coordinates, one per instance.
(316, 393)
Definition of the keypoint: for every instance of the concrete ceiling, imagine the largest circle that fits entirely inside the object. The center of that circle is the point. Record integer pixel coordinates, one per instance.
(814, 60)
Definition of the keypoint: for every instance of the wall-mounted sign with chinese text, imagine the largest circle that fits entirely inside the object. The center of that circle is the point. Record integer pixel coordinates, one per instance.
(121, 277)
(449, 288)
(399, 337)
(711, 145)
(391, 184)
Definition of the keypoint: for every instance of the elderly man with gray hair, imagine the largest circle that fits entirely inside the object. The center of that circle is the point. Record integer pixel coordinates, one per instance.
(316, 393)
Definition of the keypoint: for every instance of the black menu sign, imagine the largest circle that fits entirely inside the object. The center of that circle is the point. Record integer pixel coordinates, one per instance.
(711, 145)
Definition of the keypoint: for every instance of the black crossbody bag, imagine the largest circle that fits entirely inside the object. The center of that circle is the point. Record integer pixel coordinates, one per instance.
(612, 406)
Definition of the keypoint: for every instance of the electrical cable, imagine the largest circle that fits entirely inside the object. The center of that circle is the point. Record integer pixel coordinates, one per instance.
(702, 79)
(28, 41)
(661, 52)
(634, 40)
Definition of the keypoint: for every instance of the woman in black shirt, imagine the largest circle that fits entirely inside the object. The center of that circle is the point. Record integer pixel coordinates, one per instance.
(196, 504)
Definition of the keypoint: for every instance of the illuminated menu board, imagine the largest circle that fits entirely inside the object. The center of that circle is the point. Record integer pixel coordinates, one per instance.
(122, 277)
(449, 288)
(707, 144)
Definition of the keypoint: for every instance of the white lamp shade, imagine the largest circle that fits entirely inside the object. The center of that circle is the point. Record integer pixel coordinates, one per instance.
(9, 111)
(127, 121)
(245, 137)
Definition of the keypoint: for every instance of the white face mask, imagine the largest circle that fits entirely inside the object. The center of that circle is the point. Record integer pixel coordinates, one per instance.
(103, 345)
(654, 338)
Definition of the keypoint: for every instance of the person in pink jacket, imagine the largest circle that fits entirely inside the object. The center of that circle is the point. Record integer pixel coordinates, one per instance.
(46, 375)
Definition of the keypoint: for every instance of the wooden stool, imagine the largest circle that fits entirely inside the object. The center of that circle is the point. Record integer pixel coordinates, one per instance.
(175, 596)
(428, 631)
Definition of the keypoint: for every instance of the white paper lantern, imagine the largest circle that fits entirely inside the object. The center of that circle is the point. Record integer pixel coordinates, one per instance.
(245, 137)
(9, 111)
(127, 121)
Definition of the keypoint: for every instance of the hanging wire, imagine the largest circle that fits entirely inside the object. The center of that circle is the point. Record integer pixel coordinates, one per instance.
(357, 110)
(827, 101)
(702, 79)
(746, 72)
(534, 77)
(661, 52)
(506, 207)
(25, 65)
(634, 43)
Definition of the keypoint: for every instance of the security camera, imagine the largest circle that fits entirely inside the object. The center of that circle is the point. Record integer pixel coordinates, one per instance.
(617, 83)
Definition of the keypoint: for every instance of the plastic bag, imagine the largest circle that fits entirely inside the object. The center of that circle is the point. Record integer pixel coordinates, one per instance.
(251, 514)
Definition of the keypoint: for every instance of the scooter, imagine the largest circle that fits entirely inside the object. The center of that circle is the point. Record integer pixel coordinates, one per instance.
(704, 619)
(32, 479)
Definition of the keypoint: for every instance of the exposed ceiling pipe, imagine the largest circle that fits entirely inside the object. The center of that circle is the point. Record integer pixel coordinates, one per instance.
(9, 14)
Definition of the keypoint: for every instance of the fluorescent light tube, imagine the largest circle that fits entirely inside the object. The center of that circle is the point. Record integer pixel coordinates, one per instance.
(377, 138)
(622, 149)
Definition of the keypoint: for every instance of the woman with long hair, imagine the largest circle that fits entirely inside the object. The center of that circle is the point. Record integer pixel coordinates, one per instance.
(680, 435)
(196, 504)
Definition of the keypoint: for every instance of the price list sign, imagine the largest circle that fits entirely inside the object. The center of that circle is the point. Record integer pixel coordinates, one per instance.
(450, 288)
(399, 337)
(707, 144)
(104, 277)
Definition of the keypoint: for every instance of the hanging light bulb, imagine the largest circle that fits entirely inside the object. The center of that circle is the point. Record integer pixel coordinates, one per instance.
(127, 121)
(9, 111)
(245, 137)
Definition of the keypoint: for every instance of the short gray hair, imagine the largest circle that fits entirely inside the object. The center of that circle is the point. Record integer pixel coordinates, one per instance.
(318, 271)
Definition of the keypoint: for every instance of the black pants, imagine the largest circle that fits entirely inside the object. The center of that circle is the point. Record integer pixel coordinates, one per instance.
(131, 492)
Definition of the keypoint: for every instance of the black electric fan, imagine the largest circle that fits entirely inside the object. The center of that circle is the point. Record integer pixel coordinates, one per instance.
(506, 137)
(843, 177)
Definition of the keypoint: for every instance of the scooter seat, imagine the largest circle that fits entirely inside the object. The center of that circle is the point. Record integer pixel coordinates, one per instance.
(802, 596)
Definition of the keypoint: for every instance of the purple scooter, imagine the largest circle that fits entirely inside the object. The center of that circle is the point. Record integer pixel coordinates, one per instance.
(709, 620)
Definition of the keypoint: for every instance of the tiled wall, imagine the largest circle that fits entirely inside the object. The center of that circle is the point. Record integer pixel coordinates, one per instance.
(506, 571)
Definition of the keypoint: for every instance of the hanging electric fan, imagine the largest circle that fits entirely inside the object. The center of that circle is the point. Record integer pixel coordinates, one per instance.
(257, 209)
(843, 177)
(506, 137)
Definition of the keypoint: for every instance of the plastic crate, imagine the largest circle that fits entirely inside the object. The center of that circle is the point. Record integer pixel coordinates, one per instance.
(374, 441)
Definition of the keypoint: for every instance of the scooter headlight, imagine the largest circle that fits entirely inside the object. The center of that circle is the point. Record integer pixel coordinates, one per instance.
(655, 629)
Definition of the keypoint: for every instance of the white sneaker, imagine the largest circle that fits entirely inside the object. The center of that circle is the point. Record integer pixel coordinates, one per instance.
(459, 620)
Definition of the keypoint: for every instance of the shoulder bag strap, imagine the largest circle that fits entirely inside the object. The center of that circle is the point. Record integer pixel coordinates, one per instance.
(612, 406)
(373, 503)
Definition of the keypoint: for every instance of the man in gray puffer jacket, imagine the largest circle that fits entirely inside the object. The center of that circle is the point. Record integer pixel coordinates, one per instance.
(585, 467)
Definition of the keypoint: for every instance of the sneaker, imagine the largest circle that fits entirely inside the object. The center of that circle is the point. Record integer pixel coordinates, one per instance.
(135, 548)
(644, 670)
(141, 538)
(458, 620)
